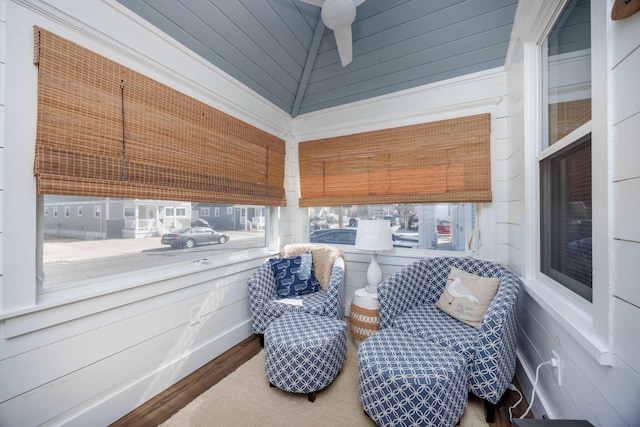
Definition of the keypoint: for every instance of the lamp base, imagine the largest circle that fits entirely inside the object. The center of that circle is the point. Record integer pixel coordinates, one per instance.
(374, 275)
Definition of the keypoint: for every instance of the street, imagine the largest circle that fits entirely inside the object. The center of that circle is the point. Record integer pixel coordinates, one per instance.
(72, 260)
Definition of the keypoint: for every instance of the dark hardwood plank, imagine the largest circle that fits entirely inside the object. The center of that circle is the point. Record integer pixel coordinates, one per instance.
(164, 405)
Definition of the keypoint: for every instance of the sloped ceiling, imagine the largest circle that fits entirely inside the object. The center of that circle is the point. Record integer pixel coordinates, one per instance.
(282, 50)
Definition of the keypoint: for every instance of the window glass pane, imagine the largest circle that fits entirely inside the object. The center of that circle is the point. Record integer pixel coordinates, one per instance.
(81, 248)
(446, 227)
(567, 72)
(566, 217)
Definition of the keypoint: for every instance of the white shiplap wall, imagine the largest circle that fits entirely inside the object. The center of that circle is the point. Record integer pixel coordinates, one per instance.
(89, 357)
(597, 344)
(625, 188)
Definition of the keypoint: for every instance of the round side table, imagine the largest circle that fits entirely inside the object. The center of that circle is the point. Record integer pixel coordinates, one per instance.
(364, 316)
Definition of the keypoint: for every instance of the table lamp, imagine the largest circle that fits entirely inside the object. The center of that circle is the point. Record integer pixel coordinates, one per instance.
(374, 236)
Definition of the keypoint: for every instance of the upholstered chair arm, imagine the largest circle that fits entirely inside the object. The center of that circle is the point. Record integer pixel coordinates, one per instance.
(408, 287)
(262, 288)
(496, 347)
(334, 307)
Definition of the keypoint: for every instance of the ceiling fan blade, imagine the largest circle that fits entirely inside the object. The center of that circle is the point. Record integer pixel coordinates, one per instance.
(343, 40)
(313, 2)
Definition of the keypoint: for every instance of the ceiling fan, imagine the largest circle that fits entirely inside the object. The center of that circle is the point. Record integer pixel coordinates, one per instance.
(338, 15)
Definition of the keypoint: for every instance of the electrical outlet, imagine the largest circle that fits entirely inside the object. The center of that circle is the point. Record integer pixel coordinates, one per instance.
(194, 315)
(556, 367)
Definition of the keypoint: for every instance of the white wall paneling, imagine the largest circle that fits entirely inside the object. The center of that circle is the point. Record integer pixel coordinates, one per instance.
(626, 150)
(600, 379)
(90, 357)
(627, 271)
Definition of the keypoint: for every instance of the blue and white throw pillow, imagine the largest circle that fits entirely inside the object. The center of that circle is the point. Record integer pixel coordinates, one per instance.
(295, 275)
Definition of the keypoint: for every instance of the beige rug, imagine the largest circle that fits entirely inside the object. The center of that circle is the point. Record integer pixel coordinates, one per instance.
(244, 398)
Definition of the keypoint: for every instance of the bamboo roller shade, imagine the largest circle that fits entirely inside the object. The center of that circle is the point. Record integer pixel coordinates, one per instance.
(106, 131)
(440, 162)
(565, 117)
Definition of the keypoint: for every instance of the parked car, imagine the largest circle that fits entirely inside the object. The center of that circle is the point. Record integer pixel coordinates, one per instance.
(443, 227)
(193, 236)
(353, 222)
(319, 225)
(199, 222)
(347, 236)
(391, 219)
(412, 222)
(336, 236)
(402, 241)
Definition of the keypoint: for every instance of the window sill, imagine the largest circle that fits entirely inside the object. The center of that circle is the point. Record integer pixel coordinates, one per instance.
(571, 316)
(65, 305)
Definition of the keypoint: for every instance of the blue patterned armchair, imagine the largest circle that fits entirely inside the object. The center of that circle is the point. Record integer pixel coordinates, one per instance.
(265, 306)
(407, 301)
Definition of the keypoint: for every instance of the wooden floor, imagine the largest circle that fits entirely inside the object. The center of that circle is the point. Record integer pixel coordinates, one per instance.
(164, 405)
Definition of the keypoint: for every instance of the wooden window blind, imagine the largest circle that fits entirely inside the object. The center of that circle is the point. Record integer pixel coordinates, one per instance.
(104, 130)
(440, 162)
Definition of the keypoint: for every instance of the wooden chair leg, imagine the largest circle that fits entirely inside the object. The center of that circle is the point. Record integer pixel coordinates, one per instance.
(312, 396)
(490, 410)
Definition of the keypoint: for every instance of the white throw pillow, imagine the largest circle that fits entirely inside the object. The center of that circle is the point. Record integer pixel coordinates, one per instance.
(467, 296)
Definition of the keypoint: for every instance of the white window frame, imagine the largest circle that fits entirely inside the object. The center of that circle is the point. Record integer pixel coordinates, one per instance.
(216, 212)
(79, 210)
(55, 212)
(229, 210)
(67, 211)
(587, 323)
(205, 212)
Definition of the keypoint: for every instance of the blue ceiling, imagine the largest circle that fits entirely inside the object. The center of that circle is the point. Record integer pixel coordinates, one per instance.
(281, 49)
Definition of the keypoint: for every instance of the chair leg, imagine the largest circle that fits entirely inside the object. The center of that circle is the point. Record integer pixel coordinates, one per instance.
(490, 409)
(261, 337)
(312, 396)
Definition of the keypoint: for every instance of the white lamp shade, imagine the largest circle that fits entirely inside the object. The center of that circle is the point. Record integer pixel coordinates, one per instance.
(374, 235)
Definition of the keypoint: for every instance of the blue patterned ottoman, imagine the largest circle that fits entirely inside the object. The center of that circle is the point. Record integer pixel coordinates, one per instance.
(409, 381)
(303, 353)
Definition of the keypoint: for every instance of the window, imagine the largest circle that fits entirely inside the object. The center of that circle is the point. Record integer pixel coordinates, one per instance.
(566, 217)
(46, 211)
(445, 227)
(216, 212)
(204, 212)
(230, 210)
(67, 212)
(155, 184)
(79, 210)
(565, 159)
(121, 242)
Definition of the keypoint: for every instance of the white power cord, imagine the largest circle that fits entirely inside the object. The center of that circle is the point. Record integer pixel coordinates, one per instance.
(514, 388)
(535, 384)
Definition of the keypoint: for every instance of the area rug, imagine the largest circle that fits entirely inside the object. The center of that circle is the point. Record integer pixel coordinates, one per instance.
(244, 398)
